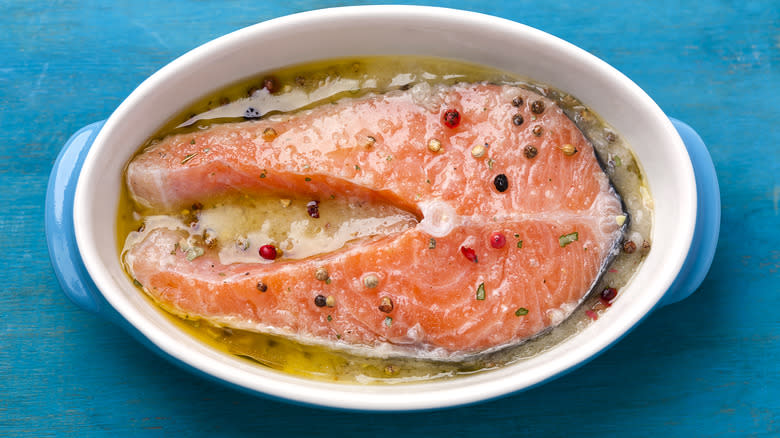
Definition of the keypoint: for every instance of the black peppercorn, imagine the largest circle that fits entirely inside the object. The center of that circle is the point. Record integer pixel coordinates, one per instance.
(517, 101)
(530, 151)
(262, 287)
(517, 119)
(320, 301)
(537, 107)
(501, 182)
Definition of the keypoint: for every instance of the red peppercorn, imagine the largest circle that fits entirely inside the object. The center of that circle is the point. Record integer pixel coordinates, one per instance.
(497, 240)
(469, 254)
(607, 295)
(268, 252)
(451, 118)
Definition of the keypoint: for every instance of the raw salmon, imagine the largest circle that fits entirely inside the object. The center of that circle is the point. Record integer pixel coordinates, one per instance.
(513, 165)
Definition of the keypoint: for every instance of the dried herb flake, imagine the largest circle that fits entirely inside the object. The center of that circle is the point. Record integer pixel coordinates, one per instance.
(481, 291)
(568, 238)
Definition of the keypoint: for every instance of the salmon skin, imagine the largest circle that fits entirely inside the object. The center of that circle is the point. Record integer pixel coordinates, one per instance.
(511, 164)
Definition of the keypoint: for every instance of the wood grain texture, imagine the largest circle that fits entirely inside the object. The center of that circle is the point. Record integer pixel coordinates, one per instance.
(707, 366)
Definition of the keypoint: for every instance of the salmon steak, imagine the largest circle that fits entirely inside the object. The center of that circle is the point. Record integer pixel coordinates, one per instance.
(513, 221)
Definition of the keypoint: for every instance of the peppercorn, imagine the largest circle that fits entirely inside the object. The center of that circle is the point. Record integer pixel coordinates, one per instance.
(370, 281)
(268, 252)
(568, 150)
(321, 274)
(320, 301)
(501, 182)
(313, 208)
(517, 119)
(269, 134)
(210, 238)
(530, 151)
(269, 84)
(608, 294)
(478, 151)
(330, 301)
(537, 107)
(386, 305)
(434, 145)
(517, 101)
(537, 130)
(451, 118)
(262, 287)
(497, 240)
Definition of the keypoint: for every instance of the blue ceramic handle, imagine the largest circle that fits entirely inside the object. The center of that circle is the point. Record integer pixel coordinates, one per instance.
(705, 234)
(60, 235)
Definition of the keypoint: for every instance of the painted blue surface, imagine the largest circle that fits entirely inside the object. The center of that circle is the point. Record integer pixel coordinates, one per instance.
(705, 366)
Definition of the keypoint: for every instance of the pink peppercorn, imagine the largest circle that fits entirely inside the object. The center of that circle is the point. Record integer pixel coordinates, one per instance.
(451, 118)
(497, 240)
(268, 252)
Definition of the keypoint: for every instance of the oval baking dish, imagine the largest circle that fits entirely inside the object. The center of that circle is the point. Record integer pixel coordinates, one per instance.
(85, 183)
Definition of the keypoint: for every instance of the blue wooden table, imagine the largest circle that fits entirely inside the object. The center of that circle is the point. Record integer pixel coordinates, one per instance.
(707, 366)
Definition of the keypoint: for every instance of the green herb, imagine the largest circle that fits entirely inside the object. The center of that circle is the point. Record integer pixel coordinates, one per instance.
(481, 291)
(307, 179)
(516, 235)
(521, 311)
(137, 283)
(188, 157)
(262, 175)
(330, 318)
(432, 243)
(568, 238)
(192, 141)
(519, 243)
(617, 160)
(389, 158)
(327, 280)
(338, 336)
(222, 274)
(357, 167)
(388, 321)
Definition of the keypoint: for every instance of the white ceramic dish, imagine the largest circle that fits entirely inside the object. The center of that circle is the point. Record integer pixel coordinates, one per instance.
(382, 30)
